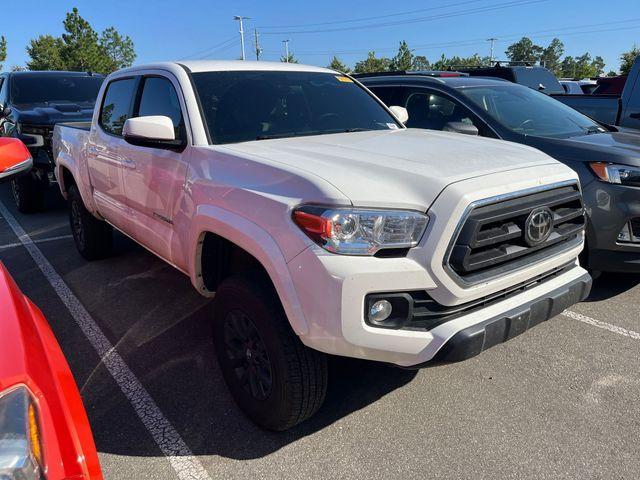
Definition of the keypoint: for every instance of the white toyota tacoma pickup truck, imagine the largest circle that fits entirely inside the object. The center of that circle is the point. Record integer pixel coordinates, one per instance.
(321, 224)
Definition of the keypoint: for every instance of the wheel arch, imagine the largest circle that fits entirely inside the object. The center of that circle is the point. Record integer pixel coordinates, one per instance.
(240, 240)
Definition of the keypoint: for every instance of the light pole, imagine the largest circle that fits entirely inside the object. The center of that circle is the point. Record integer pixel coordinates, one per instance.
(240, 19)
(286, 50)
(492, 40)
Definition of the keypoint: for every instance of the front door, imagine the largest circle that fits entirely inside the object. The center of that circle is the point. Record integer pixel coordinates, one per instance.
(153, 178)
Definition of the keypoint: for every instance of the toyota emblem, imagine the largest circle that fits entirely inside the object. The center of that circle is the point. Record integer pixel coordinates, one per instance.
(538, 226)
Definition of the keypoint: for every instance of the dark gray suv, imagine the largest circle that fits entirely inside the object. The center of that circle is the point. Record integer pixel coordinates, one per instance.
(606, 158)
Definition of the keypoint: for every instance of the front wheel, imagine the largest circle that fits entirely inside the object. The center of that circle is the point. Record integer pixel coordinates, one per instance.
(273, 377)
(93, 237)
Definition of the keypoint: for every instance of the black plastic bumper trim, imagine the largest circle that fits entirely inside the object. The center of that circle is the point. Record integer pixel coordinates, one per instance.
(471, 341)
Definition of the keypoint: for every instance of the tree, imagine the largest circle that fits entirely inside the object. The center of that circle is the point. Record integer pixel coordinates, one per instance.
(81, 48)
(420, 62)
(403, 59)
(44, 53)
(581, 67)
(627, 59)
(119, 50)
(551, 56)
(337, 65)
(372, 64)
(612, 73)
(289, 59)
(3, 50)
(524, 50)
(454, 62)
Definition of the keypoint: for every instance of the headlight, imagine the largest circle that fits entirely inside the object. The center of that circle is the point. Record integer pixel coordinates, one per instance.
(20, 443)
(355, 231)
(621, 174)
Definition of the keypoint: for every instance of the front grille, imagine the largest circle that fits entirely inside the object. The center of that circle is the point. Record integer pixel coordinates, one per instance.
(635, 226)
(493, 238)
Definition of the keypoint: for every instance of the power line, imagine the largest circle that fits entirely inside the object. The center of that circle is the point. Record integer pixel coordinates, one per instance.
(473, 41)
(213, 47)
(221, 47)
(498, 6)
(364, 19)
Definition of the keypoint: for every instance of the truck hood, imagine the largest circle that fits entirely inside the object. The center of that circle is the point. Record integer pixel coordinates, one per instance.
(53, 113)
(620, 147)
(405, 168)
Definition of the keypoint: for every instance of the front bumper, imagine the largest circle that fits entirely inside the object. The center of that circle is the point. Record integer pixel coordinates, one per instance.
(609, 208)
(332, 295)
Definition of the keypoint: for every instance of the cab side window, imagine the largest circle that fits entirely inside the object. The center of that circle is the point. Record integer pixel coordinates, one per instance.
(433, 110)
(117, 105)
(159, 97)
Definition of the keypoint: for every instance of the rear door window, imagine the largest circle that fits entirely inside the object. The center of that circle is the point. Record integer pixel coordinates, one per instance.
(117, 105)
(159, 97)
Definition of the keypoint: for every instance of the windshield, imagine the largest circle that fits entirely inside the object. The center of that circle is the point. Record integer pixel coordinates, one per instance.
(240, 106)
(47, 89)
(525, 111)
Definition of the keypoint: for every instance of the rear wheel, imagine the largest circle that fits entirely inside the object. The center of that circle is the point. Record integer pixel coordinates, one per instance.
(28, 193)
(93, 237)
(273, 377)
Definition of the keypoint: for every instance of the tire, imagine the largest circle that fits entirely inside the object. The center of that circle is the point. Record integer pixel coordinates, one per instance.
(93, 237)
(27, 193)
(275, 380)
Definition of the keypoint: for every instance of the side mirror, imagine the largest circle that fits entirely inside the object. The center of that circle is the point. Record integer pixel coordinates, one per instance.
(154, 131)
(461, 127)
(400, 113)
(15, 159)
(4, 110)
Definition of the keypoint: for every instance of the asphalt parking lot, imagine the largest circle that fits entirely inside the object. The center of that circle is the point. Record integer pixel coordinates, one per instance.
(560, 401)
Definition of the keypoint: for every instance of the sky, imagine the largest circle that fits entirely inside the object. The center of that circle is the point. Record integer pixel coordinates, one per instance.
(188, 29)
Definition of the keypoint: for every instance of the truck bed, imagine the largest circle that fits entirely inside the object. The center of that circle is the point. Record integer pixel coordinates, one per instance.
(602, 108)
(78, 125)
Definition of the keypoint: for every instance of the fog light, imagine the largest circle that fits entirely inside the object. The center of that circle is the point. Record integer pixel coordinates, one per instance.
(380, 311)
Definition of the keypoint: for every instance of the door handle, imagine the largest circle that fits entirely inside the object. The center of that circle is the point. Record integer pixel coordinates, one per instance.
(635, 116)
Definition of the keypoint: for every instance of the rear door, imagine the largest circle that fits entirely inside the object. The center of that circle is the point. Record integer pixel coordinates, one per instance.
(154, 177)
(103, 151)
(630, 116)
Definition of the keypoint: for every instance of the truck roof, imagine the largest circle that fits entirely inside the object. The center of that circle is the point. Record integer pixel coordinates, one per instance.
(196, 66)
(455, 82)
(27, 73)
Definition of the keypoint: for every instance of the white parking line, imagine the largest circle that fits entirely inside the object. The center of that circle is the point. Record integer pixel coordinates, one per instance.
(603, 325)
(39, 240)
(185, 464)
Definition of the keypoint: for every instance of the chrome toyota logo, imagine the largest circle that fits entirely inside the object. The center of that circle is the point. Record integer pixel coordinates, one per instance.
(538, 226)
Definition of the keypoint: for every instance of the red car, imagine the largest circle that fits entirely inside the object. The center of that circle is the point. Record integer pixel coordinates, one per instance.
(44, 430)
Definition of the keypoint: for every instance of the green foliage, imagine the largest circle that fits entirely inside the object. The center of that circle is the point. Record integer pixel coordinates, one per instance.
(337, 65)
(289, 59)
(612, 73)
(420, 62)
(403, 59)
(454, 62)
(581, 67)
(3, 50)
(524, 50)
(44, 53)
(80, 48)
(551, 56)
(372, 64)
(627, 59)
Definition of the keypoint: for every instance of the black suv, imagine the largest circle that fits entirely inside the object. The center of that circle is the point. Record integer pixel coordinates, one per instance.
(31, 103)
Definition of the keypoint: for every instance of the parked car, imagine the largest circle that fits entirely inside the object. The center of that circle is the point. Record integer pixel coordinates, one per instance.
(321, 224)
(616, 109)
(571, 87)
(611, 85)
(44, 430)
(31, 103)
(608, 162)
(532, 76)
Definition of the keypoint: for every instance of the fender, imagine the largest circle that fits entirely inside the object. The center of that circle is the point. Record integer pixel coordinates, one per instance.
(65, 160)
(257, 242)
